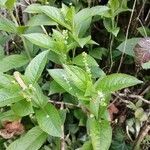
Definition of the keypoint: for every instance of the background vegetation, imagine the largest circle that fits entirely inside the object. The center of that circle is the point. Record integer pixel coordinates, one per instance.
(74, 74)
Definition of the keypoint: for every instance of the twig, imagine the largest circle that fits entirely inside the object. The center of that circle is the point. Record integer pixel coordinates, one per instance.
(118, 96)
(146, 18)
(135, 96)
(63, 103)
(63, 135)
(145, 91)
(142, 26)
(127, 33)
(144, 131)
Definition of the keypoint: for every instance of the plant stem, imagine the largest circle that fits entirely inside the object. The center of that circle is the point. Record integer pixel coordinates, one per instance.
(127, 34)
(144, 131)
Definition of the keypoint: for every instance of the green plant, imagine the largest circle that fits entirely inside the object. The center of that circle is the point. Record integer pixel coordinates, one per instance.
(22, 94)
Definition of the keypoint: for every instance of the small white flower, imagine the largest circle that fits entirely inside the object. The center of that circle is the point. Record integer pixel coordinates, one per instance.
(91, 115)
(47, 116)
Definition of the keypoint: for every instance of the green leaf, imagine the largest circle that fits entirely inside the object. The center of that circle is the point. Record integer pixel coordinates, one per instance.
(130, 44)
(5, 80)
(7, 25)
(144, 31)
(77, 76)
(60, 76)
(7, 97)
(83, 18)
(146, 65)
(55, 88)
(22, 108)
(82, 21)
(40, 39)
(52, 12)
(2, 55)
(36, 67)
(13, 62)
(49, 120)
(100, 133)
(110, 28)
(85, 60)
(87, 146)
(114, 82)
(2, 2)
(32, 140)
(119, 140)
(79, 60)
(8, 116)
(39, 20)
(37, 96)
(10, 4)
(98, 52)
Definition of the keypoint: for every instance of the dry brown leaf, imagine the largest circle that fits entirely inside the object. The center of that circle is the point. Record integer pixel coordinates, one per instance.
(11, 129)
(112, 110)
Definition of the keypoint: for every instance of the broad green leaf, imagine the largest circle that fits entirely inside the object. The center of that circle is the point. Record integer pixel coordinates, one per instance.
(60, 76)
(2, 2)
(119, 140)
(83, 41)
(40, 39)
(110, 28)
(32, 140)
(49, 120)
(77, 76)
(8, 116)
(144, 31)
(22, 108)
(99, 10)
(13, 62)
(55, 88)
(39, 20)
(98, 53)
(55, 14)
(37, 96)
(7, 25)
(52, 12)
(6, 80)
(10, 4)
(130, 44)
(114, 82)
(82, 21)
(84, 58)
(34, 8)
(87, 146)
(36, 67)
(100, 133)
(146, 65)
(114, 4)
(7, 97)
(1, 52)
(83, 18)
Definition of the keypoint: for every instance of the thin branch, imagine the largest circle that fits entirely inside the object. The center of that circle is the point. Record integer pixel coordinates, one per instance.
(146, 18)
(145, 91)
(127, 33)
(144, 131)
(63, 103)
(142, 26)
(63, 134)
(135, 96)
